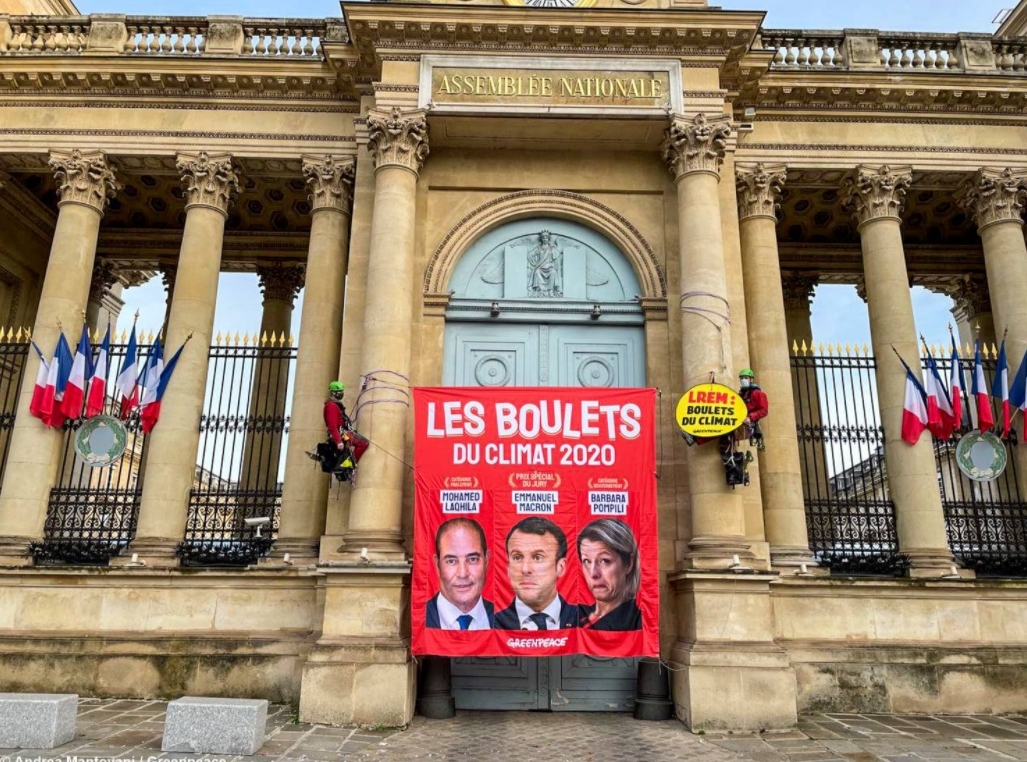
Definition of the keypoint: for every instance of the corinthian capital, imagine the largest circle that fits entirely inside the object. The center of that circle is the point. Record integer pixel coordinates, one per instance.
(330, 181)
(759, 190)
(398, 138)
(280, 282)
(971, 295)
(695, 145)
(874, 194)
(994, 195)
(84, 178)
(797, 289)
(209, 179)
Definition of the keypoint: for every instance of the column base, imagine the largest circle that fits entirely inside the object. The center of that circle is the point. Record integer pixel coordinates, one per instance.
(719, 552)
(931, 563)
(790, 559)
(729, 674)
(360, 671)
(376, 547)
(153, 552)
(16, 551)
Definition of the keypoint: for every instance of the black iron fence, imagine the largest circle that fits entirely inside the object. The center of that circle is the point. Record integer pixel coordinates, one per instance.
(14, 349)
(850, 516)
(236, 499)
(849, 512)
(92, 512)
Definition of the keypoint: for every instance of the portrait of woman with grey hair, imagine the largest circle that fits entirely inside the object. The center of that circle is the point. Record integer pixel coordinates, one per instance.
(609, 560)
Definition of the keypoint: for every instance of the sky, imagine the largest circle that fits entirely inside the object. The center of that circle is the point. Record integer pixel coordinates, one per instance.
(838, 314)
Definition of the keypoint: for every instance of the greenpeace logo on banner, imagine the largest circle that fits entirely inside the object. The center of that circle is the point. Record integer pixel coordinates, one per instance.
(608, 503)
(460, 501)
(536, 501)
(536, 642)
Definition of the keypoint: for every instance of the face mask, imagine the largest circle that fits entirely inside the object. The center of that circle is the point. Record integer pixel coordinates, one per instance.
(745, 383)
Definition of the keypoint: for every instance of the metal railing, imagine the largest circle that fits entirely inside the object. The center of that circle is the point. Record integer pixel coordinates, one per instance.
(850, 516)
(243, 436)
(92, 512)
(14, 349)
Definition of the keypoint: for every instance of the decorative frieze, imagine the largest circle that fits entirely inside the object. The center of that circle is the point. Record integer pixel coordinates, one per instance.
(759, 190)
(280, 282)
(84, 178)
(398, 138)
(209, 179)
(874, 194)
(994, 195)
(798, 289)
(330, 181)
(696, 145)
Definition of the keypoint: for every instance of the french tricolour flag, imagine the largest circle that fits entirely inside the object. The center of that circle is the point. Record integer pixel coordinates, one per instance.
(979, 389)
(956, 386)
(149, 379)
(1000, 387)
(56, 383)
(98, 380)
(39, 390)
(941, 419)
(81, 369)
(126, 384)
(151, 411)
(1018, 391)
(914, 408)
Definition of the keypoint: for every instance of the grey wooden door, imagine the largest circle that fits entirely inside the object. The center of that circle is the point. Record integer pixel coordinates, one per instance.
(523, 354)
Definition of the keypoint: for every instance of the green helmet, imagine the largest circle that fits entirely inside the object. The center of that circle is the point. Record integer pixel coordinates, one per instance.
(746, 373)
(336, 386)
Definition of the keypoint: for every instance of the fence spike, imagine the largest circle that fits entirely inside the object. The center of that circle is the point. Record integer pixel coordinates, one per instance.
(263, 338)
(967, 351)
(866, 349)
(804, 347)
(219, 339)
(279, 340)
(96, 335)
(292, 340)
(994, 350)
(246, 339)
(848, 348)
(17, 336)
(28, 334)
(237, 338)
(795, 347)
(6, 334)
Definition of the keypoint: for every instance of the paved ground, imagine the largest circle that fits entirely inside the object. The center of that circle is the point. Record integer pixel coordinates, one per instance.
(131, 730)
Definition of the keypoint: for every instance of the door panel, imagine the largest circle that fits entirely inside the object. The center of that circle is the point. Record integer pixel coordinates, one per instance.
(512, 354)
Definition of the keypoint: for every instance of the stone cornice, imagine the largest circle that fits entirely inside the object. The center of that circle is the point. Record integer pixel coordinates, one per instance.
(84, 178)
(759, 189)
(874, 193)
(696, 144)
(330, 180)
(143, 249)
(210, 180)
(995, 195)
(398, 138)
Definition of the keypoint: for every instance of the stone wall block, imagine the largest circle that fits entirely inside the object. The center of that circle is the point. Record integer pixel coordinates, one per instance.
(107, 34)
(976, 52)
(225, 36)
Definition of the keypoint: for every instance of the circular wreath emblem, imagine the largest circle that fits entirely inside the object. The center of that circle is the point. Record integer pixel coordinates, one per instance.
(100, 441)
(981, 457)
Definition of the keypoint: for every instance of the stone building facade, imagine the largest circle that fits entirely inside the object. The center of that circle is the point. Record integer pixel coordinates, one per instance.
(732, 168)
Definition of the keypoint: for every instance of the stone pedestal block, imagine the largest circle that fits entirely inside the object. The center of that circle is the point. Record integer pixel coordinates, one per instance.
(200, 725)
(37, 720)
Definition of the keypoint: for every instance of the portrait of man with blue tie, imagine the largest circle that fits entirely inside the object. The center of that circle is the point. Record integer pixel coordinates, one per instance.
(462, 560)
(536, 551)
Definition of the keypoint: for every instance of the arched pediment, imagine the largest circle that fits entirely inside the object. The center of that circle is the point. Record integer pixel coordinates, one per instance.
(557, 205)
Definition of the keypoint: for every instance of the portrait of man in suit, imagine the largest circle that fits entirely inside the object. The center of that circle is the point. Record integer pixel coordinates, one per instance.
(462, 559)
(536, 551)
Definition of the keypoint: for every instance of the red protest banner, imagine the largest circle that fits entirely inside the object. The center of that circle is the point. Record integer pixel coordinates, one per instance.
(535, 522)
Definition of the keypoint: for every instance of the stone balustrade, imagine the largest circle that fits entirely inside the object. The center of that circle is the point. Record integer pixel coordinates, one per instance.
(871, 50)
(168, 36)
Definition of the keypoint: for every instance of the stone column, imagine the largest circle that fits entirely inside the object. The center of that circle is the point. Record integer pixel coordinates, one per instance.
(398, 141)
(270, 386)
(210, 184)
(104, 276)
(996, 198)
(694, 149)
(876, 195)
(784, 511)
(305, 492)
(85, 182)
(365, 631)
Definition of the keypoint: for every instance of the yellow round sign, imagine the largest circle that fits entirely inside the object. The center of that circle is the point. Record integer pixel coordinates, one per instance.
(710, 410)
